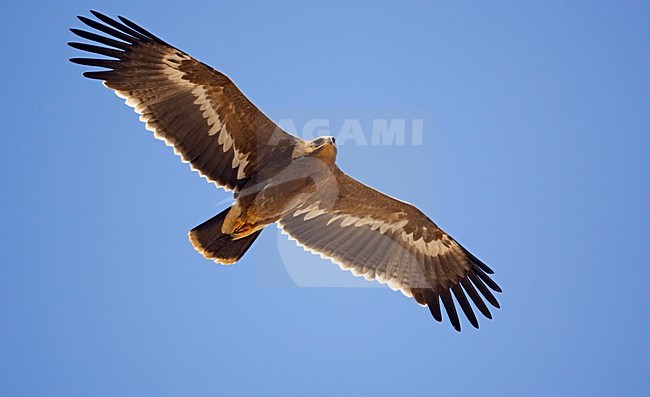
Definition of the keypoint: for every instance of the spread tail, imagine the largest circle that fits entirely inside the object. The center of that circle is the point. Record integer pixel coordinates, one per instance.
(212, 244)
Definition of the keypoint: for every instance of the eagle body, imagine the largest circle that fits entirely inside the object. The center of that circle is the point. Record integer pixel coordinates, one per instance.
(294, 175)
(279, 178)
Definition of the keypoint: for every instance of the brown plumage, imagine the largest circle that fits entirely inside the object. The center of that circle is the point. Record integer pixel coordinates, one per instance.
(280, 178)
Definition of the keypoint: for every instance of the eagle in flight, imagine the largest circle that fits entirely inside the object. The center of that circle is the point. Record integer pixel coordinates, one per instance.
(280, 178)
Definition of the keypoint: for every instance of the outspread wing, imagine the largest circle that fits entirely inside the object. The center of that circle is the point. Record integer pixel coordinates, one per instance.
(189, 105)
(381, 238)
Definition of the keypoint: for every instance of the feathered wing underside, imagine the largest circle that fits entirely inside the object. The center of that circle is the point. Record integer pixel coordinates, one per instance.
(189, 105)
(383, 239)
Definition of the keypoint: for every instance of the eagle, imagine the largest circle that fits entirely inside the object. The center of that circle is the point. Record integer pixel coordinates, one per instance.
(279, 178)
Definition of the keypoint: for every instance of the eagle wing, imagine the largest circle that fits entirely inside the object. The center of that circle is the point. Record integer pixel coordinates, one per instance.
(381, 238)
(192, 107)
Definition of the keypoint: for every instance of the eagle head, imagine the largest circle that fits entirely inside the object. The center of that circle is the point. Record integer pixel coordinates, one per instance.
(324, 148)
(323, 140)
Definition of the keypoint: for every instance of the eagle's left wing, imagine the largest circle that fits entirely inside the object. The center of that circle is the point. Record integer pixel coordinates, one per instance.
(189, 105)
(381, 238)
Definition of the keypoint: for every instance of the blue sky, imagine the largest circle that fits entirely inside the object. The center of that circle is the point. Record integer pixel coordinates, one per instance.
(535, 155)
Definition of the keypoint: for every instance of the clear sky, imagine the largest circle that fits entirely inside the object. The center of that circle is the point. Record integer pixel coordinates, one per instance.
(535, 155)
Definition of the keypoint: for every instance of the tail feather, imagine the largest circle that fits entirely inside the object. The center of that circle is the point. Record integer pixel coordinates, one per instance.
(212, 244)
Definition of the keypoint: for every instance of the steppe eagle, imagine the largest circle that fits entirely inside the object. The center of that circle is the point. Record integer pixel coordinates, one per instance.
(277, 177)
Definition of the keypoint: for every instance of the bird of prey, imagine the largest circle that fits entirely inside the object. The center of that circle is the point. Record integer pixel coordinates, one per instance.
(279, 178)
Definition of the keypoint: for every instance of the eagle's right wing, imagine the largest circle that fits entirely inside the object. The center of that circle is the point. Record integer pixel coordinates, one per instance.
(186, 103)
